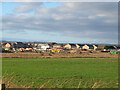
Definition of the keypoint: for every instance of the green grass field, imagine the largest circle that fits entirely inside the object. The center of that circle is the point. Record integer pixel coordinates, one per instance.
(60, 72)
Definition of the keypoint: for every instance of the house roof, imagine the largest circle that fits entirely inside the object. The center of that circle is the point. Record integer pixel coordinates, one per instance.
(51, 44)
(19, 42)
(18, 45)
(118, 47)
(95, 45)
(73, 45)
(90, 45)
(80, 45)
(6, 43)
(59, 44)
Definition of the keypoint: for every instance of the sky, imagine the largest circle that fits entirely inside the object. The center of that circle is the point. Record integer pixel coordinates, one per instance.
(70, 22)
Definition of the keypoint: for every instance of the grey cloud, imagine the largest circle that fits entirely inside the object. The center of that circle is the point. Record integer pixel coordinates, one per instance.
(23, 9)
(80, 20)
(27, 7)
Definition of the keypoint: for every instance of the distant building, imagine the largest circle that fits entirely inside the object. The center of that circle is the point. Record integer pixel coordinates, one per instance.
(58, 46)
(17, 45)
(41, 46)
(45, 46)
(95, 47)
(100, 47)
(6, 46)
(80, 46)
(70, 46)
(85, 47)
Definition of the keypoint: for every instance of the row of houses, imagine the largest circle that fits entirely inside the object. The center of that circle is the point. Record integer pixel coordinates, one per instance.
(22, 46)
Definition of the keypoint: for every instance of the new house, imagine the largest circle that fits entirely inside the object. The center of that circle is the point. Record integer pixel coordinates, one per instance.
(58, 46)
(70, 46)
(41, 46)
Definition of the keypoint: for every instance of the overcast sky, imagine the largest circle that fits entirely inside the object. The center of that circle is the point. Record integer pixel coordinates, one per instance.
(78, 22)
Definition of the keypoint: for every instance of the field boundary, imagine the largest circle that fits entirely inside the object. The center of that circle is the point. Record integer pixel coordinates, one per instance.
(39, 55)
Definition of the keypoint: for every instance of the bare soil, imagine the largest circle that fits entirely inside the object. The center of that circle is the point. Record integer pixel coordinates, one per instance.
(38, 55)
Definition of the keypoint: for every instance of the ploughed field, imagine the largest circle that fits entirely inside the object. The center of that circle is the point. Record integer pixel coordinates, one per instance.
(60, 72)
(39, 55)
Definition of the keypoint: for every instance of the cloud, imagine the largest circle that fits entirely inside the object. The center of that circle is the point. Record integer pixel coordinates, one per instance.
(77, 20)
(23, 9)
(27, 7)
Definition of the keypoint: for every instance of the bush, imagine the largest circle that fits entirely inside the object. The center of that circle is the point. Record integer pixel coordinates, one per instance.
(109, 47)
(50, 54)
(42, 54)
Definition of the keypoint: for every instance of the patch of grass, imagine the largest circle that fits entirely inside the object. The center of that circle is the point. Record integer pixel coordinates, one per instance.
(60, 72)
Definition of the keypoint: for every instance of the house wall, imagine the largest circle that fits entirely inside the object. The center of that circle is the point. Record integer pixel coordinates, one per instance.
(100, 47)
(7, 45)
(77, 46)
(95, 47)
(44, 47)
(85, 47)
(56, 46)
(68, 46)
